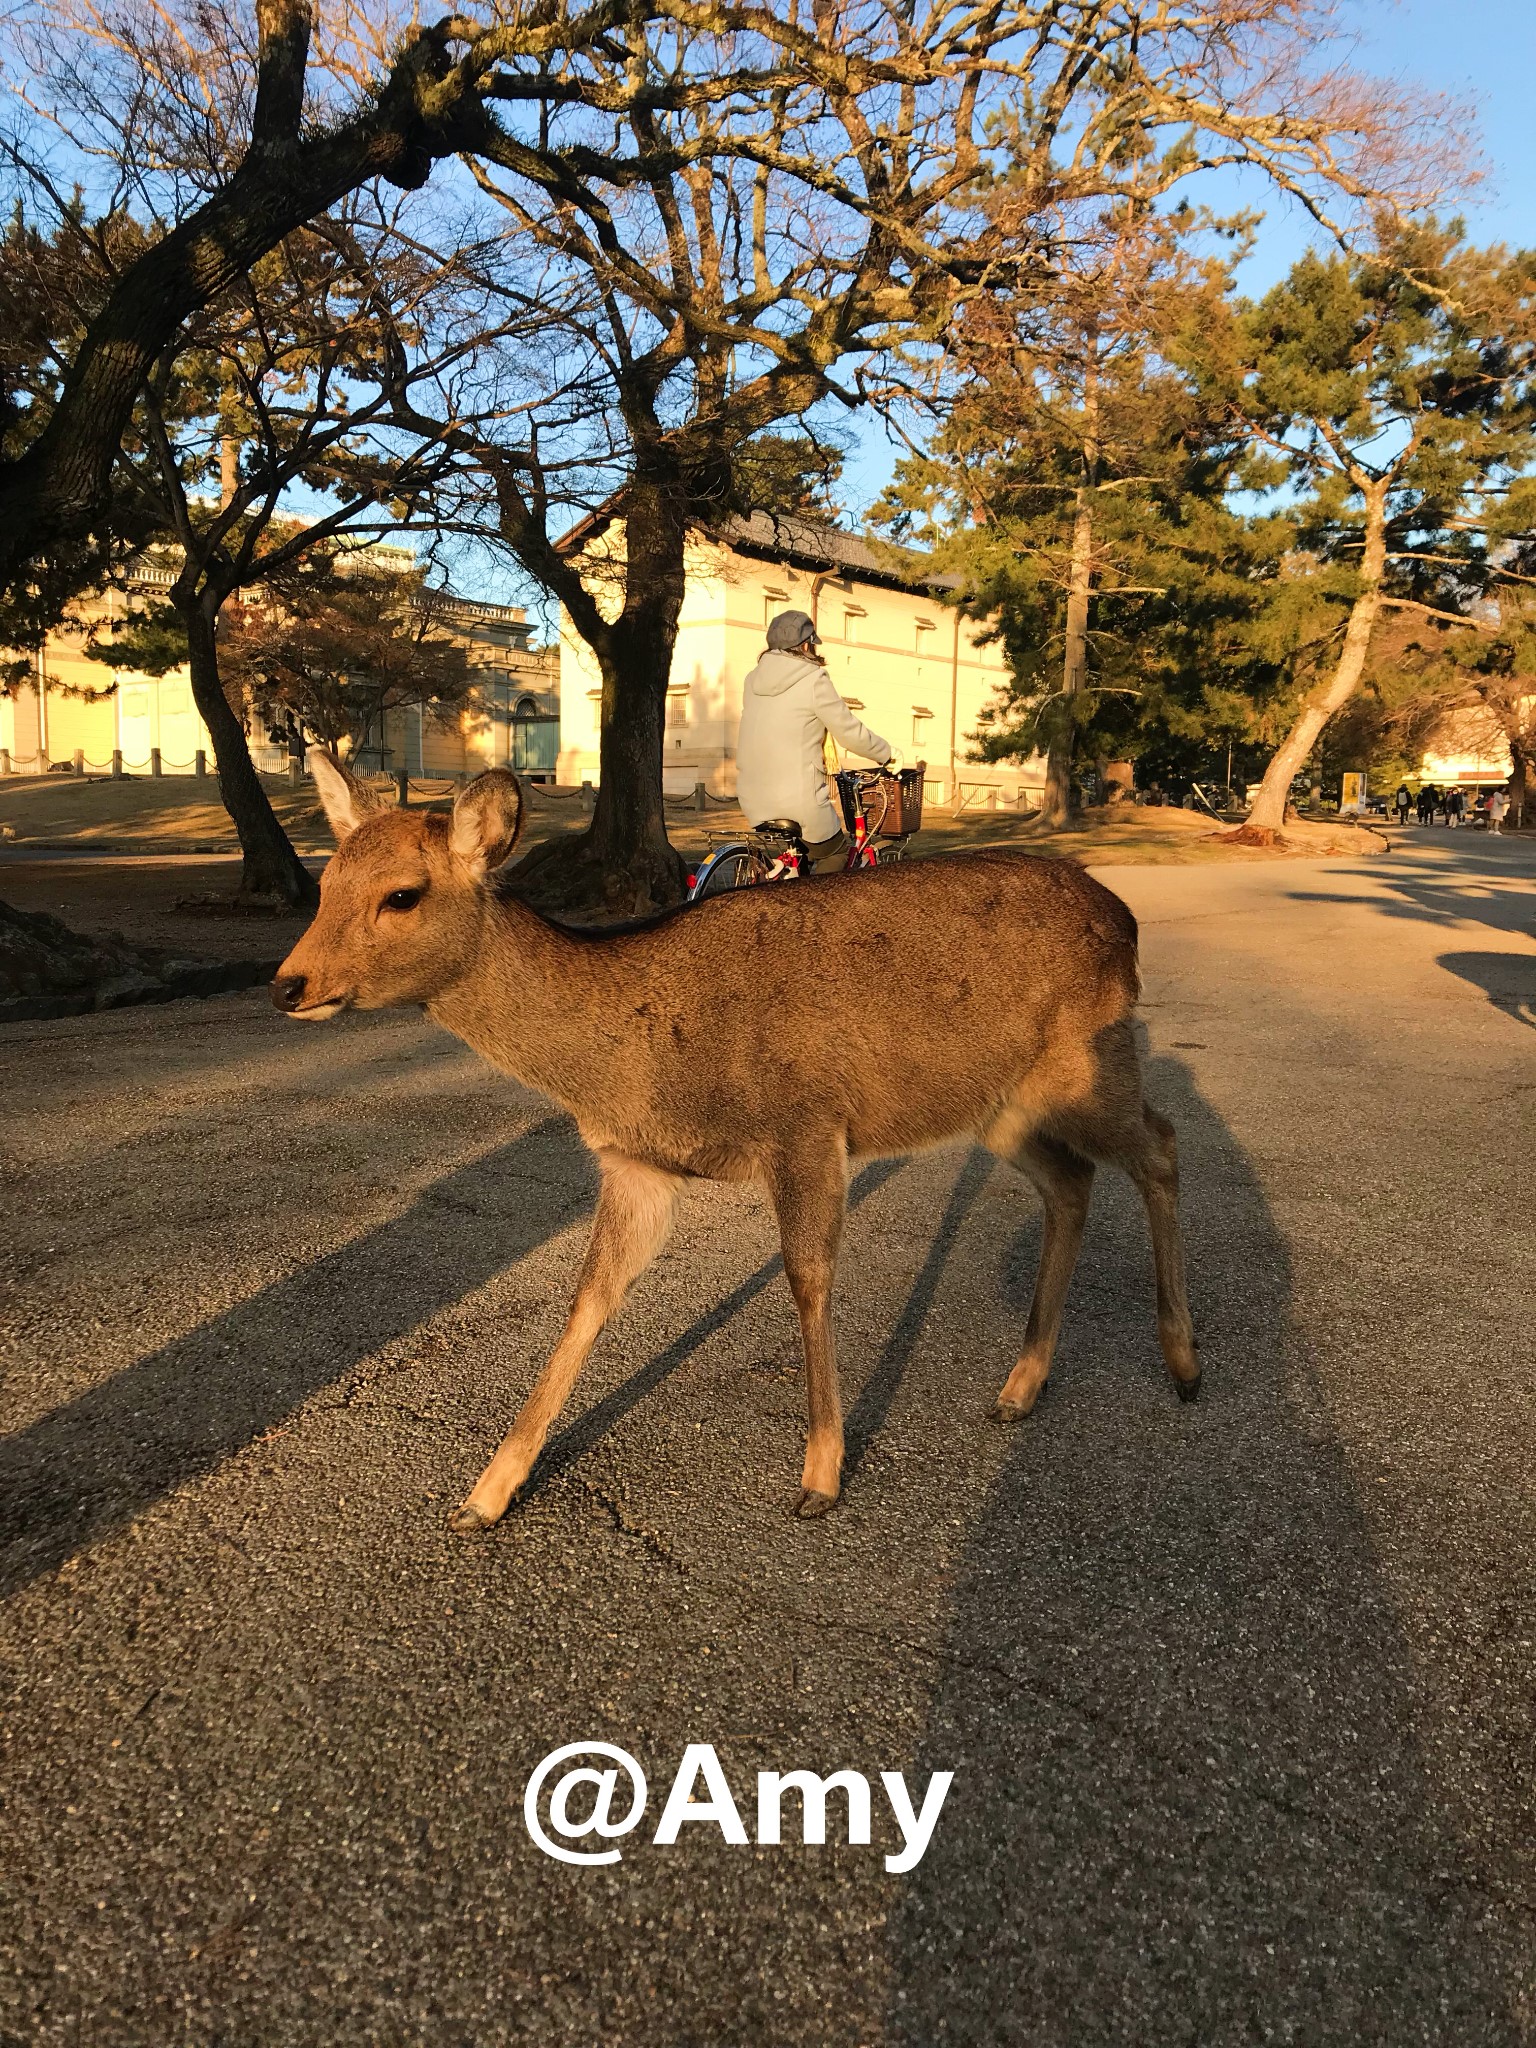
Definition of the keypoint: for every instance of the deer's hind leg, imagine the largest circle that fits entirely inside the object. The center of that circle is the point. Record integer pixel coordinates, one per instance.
(1151, 1158)
(1064, 1179)
(634, 1212)
(810, 1196)
(1121, 1129)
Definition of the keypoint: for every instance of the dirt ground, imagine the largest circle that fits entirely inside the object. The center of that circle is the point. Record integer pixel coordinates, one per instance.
(141, 815)
(1235, 1696)
(150, 853)
(140, 898)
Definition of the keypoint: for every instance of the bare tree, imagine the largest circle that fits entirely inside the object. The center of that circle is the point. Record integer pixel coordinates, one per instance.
(290, 114)
(279, 387)
(711, 265)
(338, 645)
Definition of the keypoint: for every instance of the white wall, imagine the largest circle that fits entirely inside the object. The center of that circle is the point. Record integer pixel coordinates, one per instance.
(898, 654)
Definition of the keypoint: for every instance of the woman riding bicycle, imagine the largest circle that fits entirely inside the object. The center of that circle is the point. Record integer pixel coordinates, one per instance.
(789, 705)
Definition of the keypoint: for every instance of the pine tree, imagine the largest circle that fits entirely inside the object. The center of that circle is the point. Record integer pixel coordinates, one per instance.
(1394, 391)
(1080, 490)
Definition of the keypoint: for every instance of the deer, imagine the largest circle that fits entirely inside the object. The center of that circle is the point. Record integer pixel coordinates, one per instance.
(774, 1034)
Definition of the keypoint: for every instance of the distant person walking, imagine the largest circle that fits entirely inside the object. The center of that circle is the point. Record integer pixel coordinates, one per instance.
(1426, 804)
(1402, 803)
(1498, 804)
(1455, 807)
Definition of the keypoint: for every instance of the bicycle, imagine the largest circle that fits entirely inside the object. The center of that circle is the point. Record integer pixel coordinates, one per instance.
(775, 851)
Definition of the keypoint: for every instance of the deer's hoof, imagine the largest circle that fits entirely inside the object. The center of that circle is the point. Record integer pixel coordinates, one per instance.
(1005, 1411)
(468, 1521)
(1188, 1390)
(811, 1504)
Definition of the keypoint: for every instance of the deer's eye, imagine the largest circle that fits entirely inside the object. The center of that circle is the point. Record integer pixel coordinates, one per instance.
(402, 899)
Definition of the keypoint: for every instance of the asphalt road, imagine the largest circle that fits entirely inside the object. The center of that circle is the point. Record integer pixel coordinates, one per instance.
(1237, 1697)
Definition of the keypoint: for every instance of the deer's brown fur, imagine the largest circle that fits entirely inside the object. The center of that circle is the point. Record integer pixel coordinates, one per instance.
(775, 1034)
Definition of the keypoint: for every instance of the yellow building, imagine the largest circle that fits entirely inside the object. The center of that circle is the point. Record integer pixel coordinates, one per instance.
(910, 666)
(1471, 753)
(104, 720)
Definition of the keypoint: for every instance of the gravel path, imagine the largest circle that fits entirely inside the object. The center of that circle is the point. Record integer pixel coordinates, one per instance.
(1237, 1697)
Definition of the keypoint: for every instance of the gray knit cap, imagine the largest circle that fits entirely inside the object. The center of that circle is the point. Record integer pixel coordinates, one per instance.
(792, 629)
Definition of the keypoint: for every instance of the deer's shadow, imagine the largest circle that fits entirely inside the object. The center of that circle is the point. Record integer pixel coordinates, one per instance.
(1191, 1803)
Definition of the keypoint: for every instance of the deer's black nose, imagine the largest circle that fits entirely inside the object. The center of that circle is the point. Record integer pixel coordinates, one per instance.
(288, 991)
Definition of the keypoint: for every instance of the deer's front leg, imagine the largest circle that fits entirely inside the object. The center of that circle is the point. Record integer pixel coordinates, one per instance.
(810, 1194)
(634, 1211)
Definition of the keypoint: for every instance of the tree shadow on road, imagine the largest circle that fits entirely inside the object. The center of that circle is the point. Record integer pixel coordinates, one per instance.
(93, 1464)
(1191, 1803)
(1507, 979)
(90, 1466)
(1482, 887)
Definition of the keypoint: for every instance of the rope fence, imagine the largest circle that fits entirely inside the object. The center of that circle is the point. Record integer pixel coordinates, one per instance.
(116, 766)
(400, 783)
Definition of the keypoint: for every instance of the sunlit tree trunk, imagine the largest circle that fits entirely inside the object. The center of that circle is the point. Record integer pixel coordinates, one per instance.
(1522, 785)
(1058, 802)
(623, 863)
(270, 867)
(1268, 812)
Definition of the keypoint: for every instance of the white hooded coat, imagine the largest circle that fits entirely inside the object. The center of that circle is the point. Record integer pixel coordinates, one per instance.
(787, 705)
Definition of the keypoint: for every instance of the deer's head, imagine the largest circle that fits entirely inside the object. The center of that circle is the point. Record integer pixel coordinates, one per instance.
(403, 901)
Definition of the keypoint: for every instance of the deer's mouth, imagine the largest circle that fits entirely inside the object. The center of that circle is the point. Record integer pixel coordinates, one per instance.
(329, 1006)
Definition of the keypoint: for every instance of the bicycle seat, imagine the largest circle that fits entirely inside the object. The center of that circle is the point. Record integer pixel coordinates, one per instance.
(779, 828)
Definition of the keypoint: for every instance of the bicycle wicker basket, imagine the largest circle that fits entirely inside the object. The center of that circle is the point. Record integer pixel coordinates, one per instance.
(893, 804)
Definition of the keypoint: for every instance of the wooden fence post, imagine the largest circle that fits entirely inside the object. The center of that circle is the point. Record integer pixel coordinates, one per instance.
(117, 764)
(154, 761)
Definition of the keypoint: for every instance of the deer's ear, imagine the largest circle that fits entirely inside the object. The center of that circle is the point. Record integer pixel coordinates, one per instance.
(487, 821)
(345, 802)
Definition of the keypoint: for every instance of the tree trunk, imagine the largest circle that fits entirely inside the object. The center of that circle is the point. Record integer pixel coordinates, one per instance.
(629, 825)
(271, 869)
(1268, 813)
(1522, 785)
(1059, 801)
(623, 865)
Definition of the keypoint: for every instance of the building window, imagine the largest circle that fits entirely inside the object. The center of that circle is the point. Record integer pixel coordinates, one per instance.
(920, 718)
(677, 708)
(924, 637)
(853, 629)
(774, 602)
(527, 707)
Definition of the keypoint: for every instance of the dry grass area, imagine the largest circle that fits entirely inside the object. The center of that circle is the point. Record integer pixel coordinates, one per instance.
(152, 891)
(142, 815)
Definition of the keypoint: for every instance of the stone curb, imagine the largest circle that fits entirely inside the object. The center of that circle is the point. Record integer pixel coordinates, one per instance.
(201, 978)
(145, 847)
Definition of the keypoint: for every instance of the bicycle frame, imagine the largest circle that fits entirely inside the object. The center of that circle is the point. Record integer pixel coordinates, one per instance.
(788, 860)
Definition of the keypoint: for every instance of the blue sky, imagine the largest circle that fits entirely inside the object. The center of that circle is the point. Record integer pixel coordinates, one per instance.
(1482, 51)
